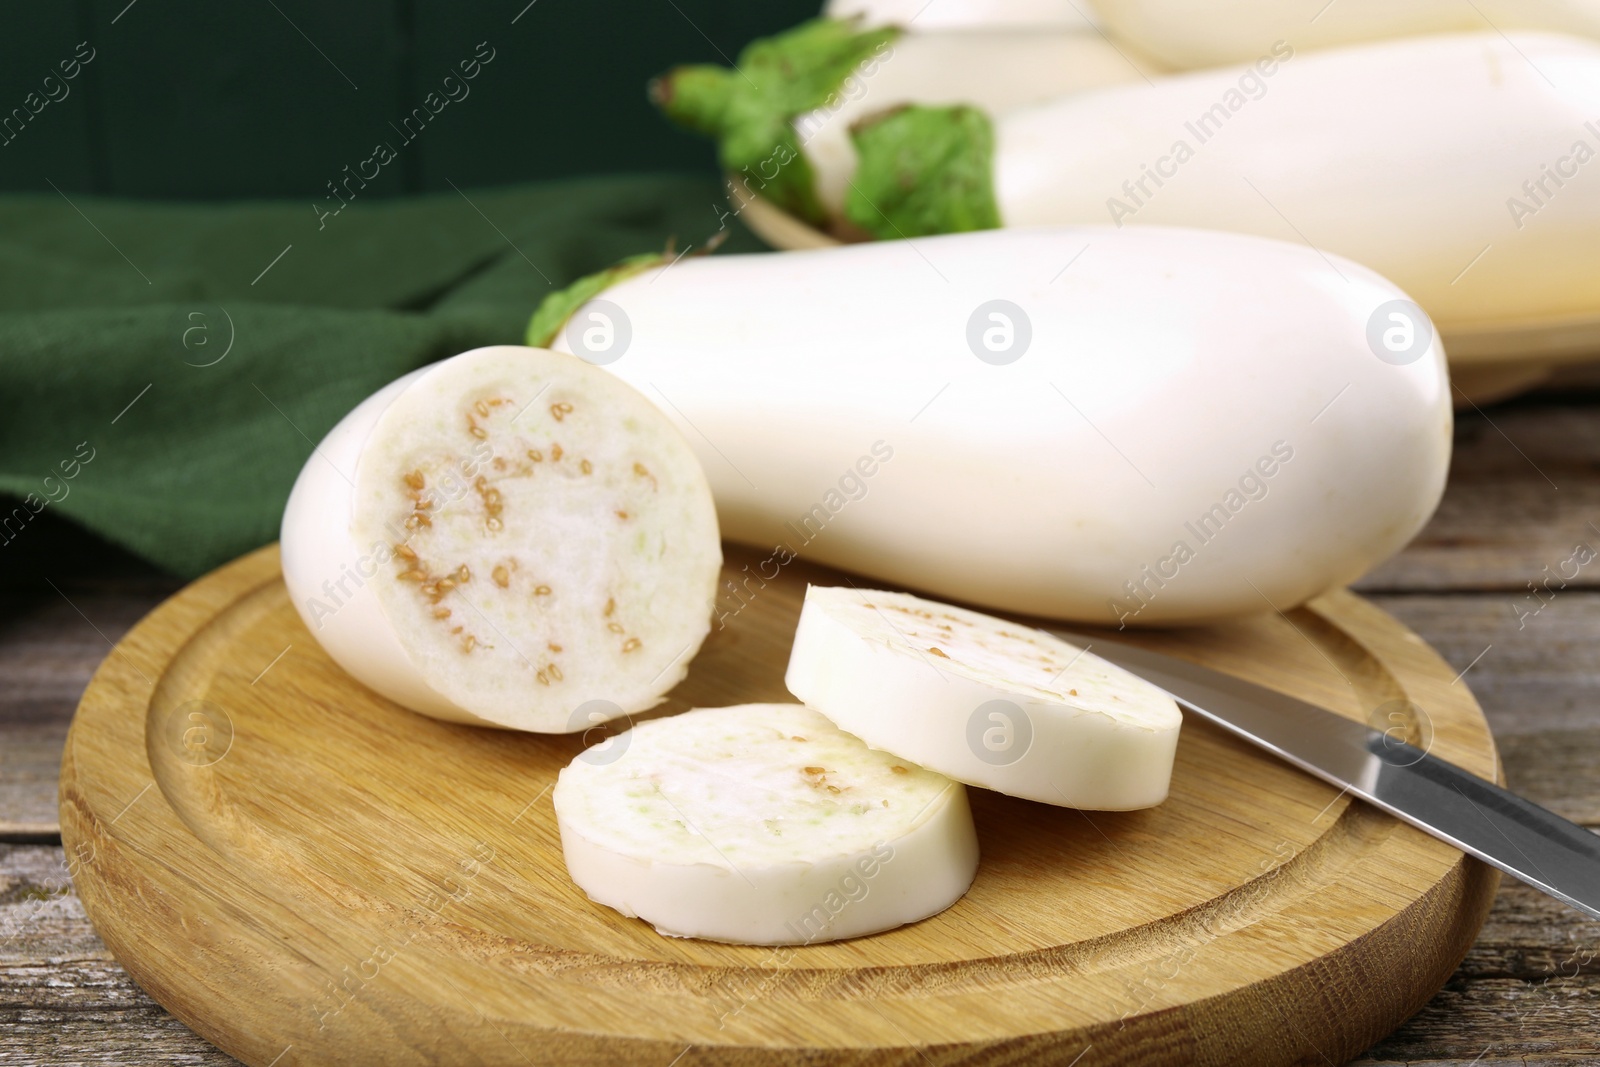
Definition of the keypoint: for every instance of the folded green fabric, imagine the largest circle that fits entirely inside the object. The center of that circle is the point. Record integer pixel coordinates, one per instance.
(166, 369)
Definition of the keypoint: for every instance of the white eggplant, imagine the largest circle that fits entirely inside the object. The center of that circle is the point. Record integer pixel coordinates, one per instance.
(783, 118)
(1127, 426)
(984, 701)
(1187, 34)
(762, 824)
(509, 538)
(998, 72)
(1457, 166)
(923, 15)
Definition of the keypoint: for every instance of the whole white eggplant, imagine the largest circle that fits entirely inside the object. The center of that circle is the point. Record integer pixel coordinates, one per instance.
(1460, 167)
(1186, 34)
(1131, 426)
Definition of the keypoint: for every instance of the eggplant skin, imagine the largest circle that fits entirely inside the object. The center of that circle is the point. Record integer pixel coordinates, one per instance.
(1196, 426)
(1004, 707)
(1456, 166)
(1188, 35)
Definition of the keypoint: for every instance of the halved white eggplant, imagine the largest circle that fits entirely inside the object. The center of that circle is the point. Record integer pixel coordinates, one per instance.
(505, 538)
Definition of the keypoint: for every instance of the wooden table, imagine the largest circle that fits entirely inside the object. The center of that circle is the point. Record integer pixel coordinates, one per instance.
(1524, 493)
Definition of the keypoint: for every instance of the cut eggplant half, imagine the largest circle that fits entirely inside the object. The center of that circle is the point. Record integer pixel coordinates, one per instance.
(987, 702)
(510, 537)
(762, 824)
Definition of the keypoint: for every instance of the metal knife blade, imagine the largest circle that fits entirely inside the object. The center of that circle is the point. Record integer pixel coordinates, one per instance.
(1432, 794)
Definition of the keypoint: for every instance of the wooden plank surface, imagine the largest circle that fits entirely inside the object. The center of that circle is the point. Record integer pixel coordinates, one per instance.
(1524, 492)
(1528, 993)
(51, 641)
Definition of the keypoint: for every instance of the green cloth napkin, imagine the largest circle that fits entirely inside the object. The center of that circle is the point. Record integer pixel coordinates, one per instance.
(121, 411)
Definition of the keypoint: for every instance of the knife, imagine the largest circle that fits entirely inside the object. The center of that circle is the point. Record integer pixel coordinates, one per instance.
(1436, 796)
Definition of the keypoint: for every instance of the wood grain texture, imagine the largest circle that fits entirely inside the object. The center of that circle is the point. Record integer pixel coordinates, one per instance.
(63, 999)
(1537, 678)
(363, 884)
(51, 641)
(1523, 493)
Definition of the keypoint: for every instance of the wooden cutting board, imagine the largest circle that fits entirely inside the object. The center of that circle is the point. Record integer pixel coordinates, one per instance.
(307, 874)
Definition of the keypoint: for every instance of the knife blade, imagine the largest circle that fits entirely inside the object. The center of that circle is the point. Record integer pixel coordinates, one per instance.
(1436, 796)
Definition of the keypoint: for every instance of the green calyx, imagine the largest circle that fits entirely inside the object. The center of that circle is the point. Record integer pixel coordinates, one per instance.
(751, 109)
(923, 170)
(554, 311)
(694, 97)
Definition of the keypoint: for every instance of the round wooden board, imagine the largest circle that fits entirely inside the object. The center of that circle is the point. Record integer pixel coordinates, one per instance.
(1489, 361)
(307, 874)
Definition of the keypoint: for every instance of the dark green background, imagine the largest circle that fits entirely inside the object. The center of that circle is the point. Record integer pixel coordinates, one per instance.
(237, 105)
(228, 99)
